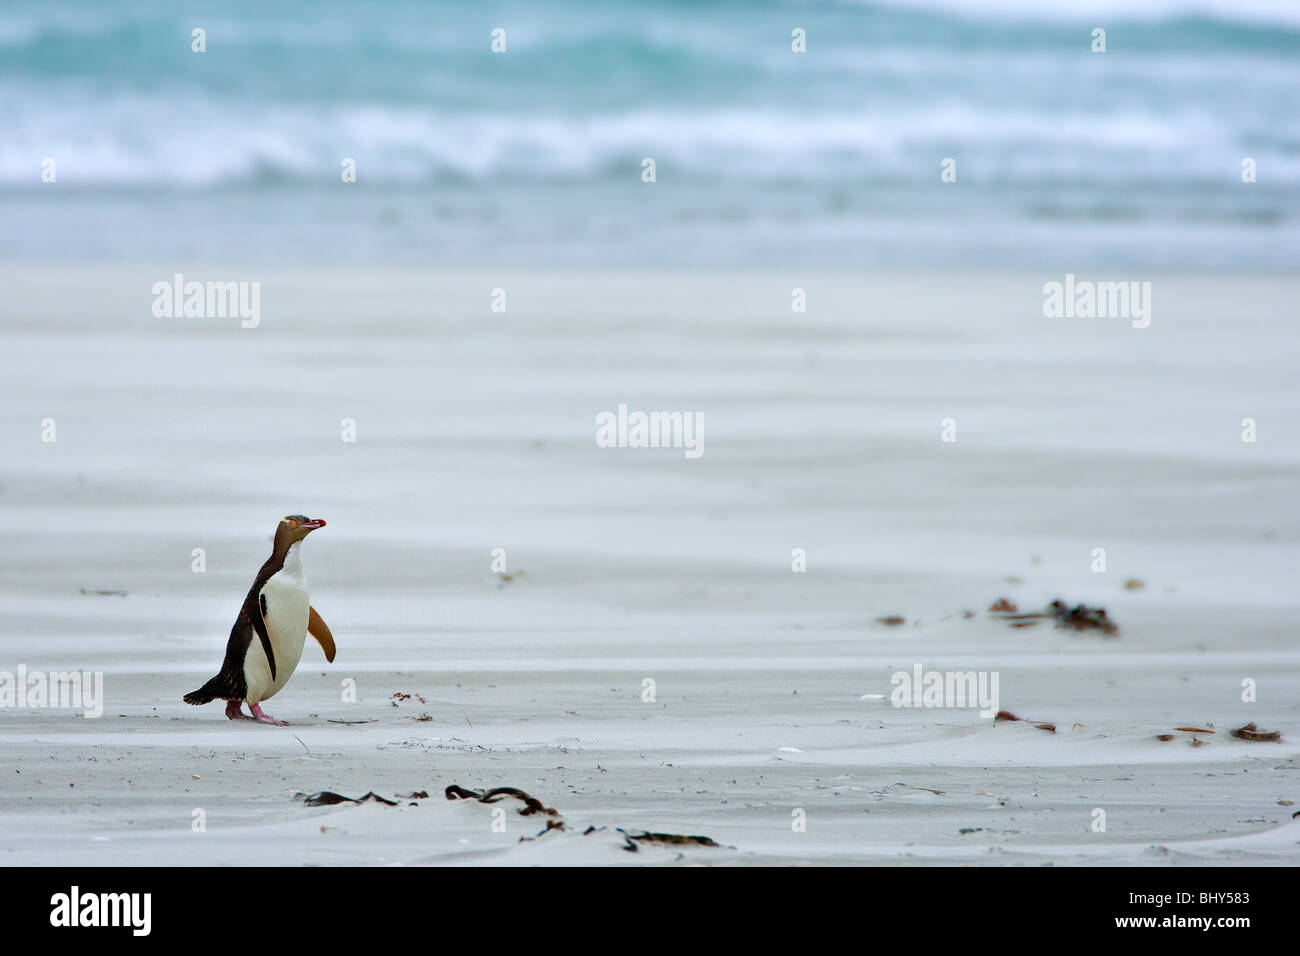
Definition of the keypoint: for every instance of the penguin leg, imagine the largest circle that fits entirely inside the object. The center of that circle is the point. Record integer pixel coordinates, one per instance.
(264, 718)
(234, 713)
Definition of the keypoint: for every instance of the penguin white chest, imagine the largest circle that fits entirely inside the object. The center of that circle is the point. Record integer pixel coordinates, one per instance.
(285, 606)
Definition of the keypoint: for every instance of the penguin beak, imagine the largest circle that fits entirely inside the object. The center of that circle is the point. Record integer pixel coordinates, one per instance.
(313, 524)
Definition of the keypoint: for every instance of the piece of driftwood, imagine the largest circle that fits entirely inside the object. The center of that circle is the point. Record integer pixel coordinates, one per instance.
(328, 798)
(531, 804)
(631, 839)
(1007, 715)
(1077, 618)
(1251, 732)
(1082, 618)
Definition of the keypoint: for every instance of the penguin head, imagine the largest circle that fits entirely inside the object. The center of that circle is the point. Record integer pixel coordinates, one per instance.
(294, 528)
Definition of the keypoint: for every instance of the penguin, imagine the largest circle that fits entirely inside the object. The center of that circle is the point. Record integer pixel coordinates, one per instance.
(266, 642)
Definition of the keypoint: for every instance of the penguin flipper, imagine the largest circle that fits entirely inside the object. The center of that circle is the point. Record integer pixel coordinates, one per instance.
(317, 628)
(259, 625)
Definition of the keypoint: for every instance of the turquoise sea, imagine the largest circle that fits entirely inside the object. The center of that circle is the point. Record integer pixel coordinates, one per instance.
(1064, 157)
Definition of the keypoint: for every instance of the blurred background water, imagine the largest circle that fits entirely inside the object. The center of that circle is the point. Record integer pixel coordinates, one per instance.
(832, 157)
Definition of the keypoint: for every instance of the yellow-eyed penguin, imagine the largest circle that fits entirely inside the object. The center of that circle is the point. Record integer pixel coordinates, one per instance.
(279, 612)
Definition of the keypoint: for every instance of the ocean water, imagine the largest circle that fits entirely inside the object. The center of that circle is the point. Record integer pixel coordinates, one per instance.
(764, 157)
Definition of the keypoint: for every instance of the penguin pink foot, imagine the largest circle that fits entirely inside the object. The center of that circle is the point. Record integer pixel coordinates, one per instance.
(264, 718)
(234, 713)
